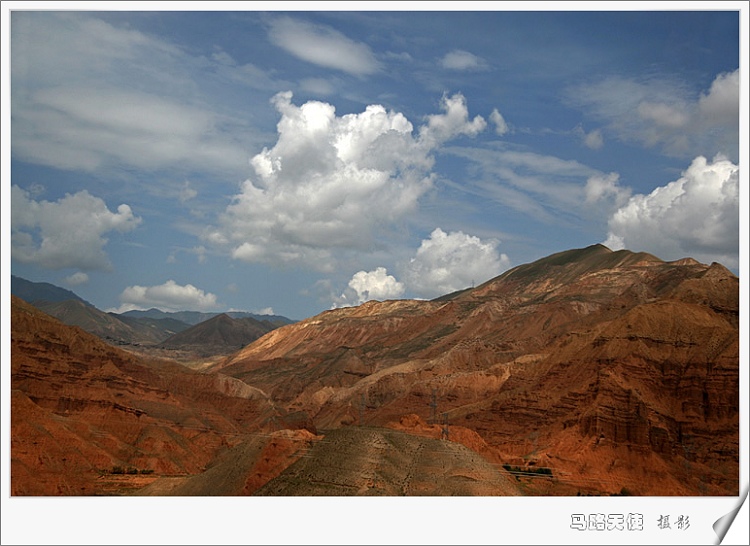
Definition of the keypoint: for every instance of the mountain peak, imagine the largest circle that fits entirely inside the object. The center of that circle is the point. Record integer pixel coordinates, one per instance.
(219, 334)
(566, 267)
(41, 291)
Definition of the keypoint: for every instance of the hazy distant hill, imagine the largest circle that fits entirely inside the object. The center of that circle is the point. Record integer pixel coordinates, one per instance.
(40, 291)
(169, 326)
(109, 326)
(196, 317)
(221, 334)
(142, 327)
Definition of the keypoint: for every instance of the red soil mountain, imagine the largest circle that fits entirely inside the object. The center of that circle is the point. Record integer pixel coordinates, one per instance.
(586, 372)
(82, 409)
(616, 370)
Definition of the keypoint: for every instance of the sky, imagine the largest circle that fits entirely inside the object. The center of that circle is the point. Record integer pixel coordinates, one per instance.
(292, 161)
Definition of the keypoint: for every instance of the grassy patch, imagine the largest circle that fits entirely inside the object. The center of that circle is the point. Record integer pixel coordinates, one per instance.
(525, 471)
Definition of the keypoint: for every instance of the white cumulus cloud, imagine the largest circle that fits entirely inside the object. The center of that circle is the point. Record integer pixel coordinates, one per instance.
(447, 262)
(455, 121)
(720, 106)
(696, 215)
(602, 186)
(68, 233)
(168, 297)
(370, 285)
(334, 182)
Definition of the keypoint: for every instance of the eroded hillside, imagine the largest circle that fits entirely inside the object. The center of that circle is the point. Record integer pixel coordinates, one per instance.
(586, 372)
(619, 367)
(87, 418)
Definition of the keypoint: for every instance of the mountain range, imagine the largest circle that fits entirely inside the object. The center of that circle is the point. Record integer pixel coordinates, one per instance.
(195, 317)
(152, 327)
(588, 372)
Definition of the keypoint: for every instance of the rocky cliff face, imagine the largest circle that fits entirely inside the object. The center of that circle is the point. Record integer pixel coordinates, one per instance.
(620, 367)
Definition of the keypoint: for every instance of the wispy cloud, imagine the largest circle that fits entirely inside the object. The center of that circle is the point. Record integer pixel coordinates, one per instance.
(130, 101)
(665, 115)
(323, 46)
(593, 140)
(91, 128)
(458, 59)
(547, 188)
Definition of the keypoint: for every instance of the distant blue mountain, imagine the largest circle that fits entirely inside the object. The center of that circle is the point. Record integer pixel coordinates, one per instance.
(150, 326)
(41, 291)
(196, 317)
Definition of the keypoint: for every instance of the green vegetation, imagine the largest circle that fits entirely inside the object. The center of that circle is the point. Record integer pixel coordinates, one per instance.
(130, 470)
(522, 470)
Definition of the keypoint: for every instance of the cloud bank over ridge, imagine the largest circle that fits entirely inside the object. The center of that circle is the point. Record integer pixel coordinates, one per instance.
(696, 215)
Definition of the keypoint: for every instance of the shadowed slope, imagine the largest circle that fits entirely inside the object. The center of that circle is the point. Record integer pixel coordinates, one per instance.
(218, 335)
(108, 326)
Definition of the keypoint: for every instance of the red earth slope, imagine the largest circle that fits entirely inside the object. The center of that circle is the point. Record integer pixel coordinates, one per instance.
(616, 370)
(85, 415)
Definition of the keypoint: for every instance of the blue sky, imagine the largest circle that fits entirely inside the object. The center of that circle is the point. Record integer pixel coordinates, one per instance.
(291, 161)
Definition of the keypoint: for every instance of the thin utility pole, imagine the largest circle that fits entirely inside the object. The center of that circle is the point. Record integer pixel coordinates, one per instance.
(433, 407)
(444, 433)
